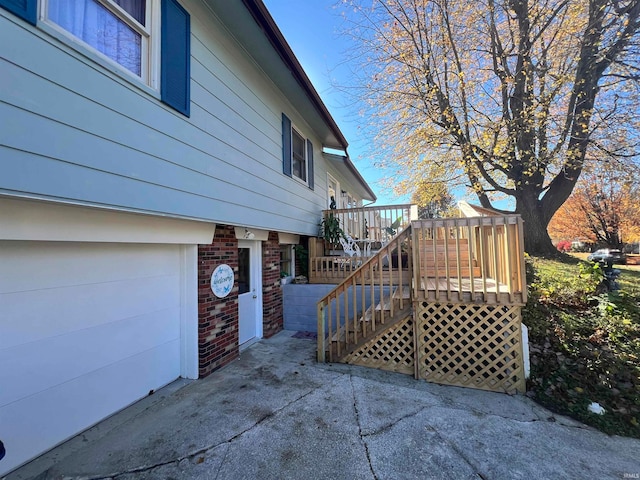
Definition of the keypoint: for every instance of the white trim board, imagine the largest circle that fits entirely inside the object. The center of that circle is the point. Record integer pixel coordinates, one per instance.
(33, 220)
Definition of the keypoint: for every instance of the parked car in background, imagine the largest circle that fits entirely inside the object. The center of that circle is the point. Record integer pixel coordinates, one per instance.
(606, 255)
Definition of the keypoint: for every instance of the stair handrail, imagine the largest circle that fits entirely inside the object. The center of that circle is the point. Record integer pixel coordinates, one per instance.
(367, 267)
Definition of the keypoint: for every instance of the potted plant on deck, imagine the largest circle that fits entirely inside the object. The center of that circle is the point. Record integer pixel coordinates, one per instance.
(330, 229)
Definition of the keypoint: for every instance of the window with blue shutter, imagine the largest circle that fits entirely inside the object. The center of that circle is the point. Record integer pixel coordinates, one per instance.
(121, 31)
(286, 145)
(297, 154)
(310, 163)
(175, 68)
(25, 9)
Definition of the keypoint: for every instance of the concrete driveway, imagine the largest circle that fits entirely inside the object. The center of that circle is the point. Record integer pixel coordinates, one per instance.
(277, 414)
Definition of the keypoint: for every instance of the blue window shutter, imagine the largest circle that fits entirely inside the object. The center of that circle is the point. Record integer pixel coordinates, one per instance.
(175, 57)
(310, 163)
(25, 9)
(286, 145)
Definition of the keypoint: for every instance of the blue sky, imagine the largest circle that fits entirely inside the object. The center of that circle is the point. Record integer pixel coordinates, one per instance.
(312, 29)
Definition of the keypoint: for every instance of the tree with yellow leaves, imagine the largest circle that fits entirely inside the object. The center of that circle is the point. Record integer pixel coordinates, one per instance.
(433, 200)
(509, 95)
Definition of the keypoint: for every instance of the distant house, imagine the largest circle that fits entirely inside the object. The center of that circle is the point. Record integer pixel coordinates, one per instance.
(144, 146)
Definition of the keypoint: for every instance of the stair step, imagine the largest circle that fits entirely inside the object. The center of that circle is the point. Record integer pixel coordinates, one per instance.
(337, 336)
(384, 305)
(368, 315)
(361, 339)
(451, 243)
(404, 292)
(452, 260)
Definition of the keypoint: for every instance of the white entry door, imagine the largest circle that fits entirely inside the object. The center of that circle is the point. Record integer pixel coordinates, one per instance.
(250, 291)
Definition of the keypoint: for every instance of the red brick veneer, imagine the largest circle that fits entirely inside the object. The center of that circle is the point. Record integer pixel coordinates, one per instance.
(272, 310)
(217, 317)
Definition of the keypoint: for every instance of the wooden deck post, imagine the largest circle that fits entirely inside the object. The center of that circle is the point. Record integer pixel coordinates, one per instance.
(322, 347)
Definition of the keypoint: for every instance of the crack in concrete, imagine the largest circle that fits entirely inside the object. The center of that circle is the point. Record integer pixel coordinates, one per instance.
(534, 410)
(224, 458)
(201, 451)
(538, 419)
(446, 402)
(563, 421)
(453, 447)
(357, 414)
(449, 404)
(389, 426)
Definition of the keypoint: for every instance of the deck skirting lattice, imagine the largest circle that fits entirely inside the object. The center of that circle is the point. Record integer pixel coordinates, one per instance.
(391, 350)
(469, 345)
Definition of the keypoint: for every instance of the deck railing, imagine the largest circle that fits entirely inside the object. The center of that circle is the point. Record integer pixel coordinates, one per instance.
(478, 259)
(378, 224)
(366, 299)
(371, 227)
(471, 259)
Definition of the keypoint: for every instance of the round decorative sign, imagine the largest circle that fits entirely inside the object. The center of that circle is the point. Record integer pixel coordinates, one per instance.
(222, 280)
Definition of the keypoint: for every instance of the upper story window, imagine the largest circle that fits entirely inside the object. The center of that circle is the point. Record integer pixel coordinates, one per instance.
(332, 192)
(297, 154)
(348, 201)
(118, 29)
(151, 39)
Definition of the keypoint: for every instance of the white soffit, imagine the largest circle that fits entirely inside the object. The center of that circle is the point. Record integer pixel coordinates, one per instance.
(47, 221)
(357, 185)
(288, 238)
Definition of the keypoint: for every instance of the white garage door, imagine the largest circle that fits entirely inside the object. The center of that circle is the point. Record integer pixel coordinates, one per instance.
(85, 330)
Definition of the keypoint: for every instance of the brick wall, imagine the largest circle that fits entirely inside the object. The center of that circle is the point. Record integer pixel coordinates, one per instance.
(217, 317)
(271, 289)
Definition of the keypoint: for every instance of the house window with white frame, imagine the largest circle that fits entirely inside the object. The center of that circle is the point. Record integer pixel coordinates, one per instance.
(348, 201)
(298, 155)
(287, 266)
(118, 29)
(332, 191)
(125, 33)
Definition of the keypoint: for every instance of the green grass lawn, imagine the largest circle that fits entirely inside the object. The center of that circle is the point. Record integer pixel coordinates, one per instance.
(585, 342)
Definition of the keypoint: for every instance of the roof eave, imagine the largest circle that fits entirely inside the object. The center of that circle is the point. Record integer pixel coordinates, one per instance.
(264, 19)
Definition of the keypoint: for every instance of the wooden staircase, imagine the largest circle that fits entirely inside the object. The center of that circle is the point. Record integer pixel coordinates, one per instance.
(440, 259)
(370, 300)
(444, 315)
(385, 314)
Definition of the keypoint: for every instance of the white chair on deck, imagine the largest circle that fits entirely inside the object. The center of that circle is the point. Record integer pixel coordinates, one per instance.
(349, 246)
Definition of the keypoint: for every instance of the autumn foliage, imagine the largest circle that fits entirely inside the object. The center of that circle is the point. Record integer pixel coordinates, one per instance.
(604, 209)
(503, 97)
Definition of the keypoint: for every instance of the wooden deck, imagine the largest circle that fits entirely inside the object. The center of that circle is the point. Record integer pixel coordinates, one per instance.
(474, 260)
(466, 290)
(461, 324)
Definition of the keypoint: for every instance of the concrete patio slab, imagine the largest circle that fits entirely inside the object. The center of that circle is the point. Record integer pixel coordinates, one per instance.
(276, 414)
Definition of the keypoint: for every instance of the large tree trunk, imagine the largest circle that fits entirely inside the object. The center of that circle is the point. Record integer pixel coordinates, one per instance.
(536, 238)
